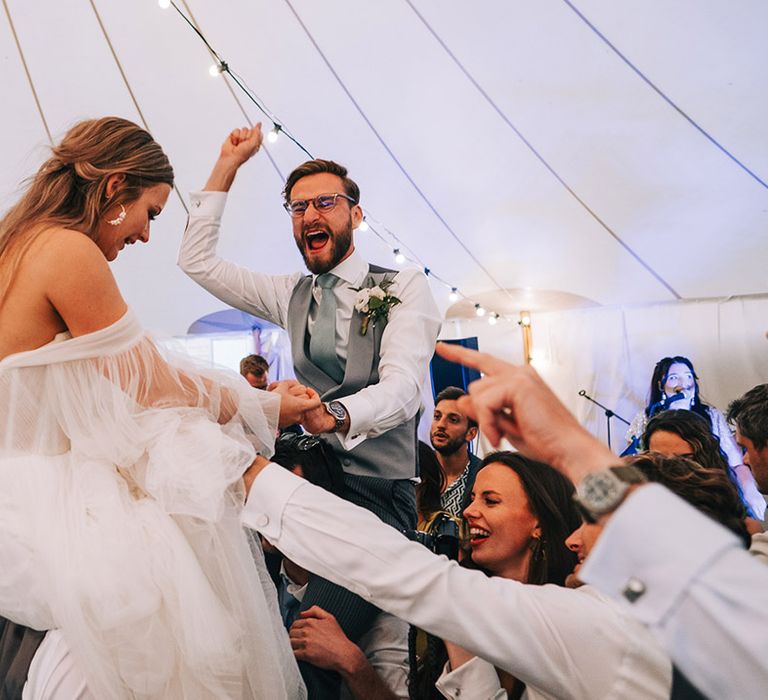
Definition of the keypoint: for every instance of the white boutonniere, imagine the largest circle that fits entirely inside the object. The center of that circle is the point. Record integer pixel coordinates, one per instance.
(374, 303)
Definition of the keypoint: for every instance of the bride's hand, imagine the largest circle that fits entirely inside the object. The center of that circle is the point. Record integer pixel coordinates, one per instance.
(295, 400)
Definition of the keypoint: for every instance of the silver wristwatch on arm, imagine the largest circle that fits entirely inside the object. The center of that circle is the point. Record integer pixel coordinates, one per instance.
(603, 492)
(337, 410)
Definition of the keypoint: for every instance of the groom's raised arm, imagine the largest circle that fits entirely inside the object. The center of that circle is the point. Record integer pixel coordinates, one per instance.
(265, 296)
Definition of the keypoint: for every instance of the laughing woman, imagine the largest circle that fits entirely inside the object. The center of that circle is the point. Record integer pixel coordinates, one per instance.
(570, 644)
(120, 471)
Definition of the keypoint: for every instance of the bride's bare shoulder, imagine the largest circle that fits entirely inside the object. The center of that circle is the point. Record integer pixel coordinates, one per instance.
(76, 279)
(63, 246)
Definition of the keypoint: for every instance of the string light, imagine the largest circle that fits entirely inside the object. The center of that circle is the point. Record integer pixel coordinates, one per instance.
(274, 133)
(525, 318)
(221, 66)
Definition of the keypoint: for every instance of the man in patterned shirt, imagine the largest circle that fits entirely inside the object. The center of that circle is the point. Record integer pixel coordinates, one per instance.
(451, 434)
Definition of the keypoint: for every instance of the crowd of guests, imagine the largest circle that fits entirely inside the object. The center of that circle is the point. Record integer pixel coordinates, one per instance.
(517, 519)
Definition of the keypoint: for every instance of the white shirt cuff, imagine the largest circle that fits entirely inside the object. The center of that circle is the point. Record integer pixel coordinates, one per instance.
(207, 204)
(652, 549)
(474, 679)
(361, 414)
(270, 491)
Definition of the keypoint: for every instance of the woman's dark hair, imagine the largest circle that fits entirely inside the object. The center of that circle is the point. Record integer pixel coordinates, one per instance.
(659, 379)
(705, 446)
(696, 431)
(706, 488)
(432, 482)
(550, 498)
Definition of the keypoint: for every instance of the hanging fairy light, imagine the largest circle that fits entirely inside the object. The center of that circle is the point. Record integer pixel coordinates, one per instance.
(215, 70)
(479, 311)
(274, 133)
(493, 318)
(399, 257)
(165, 4)
(363, 226)
(454, 295)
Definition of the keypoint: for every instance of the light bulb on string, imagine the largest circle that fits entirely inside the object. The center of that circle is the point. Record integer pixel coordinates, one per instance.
(363, 226)
(454, 295)
(479, 311)
(164, 4)
(274, 133)
(492, 319)
(215, 69)
(399, 257)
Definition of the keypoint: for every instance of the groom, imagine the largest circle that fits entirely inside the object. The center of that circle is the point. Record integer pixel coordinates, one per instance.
(370, 382)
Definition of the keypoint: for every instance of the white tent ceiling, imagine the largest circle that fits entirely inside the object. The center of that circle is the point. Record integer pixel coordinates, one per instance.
(426, 102)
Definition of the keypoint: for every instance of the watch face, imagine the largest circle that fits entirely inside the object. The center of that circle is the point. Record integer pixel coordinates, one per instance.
(600, 491)
(339, 412)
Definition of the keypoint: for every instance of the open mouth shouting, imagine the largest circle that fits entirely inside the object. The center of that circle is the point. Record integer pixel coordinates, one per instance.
(316, 240)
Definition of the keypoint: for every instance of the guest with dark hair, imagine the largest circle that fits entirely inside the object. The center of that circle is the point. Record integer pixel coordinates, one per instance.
(431, 485)
(675, 385)
(256, 371)
(451, 434)
(520, 515)
(749, 414)
(686, 434)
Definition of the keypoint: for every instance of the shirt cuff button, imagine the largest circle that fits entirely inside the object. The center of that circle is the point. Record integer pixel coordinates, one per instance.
(261, 520)
(634, 589)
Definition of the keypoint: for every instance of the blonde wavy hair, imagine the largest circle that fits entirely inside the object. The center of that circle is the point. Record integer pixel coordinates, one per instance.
(69, 189)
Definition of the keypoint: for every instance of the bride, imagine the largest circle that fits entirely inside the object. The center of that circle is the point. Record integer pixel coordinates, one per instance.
(121, 468)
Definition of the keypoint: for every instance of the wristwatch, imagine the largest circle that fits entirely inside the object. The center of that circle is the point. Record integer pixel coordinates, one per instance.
(337, 410)
(602, 492)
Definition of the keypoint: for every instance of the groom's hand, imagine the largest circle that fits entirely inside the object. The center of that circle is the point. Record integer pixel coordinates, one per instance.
(238, 147)
(241, 144)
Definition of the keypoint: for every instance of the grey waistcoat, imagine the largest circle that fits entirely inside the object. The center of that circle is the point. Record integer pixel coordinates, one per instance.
(388, 456)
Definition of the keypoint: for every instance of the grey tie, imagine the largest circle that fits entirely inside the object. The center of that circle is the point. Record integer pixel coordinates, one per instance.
(322, 344)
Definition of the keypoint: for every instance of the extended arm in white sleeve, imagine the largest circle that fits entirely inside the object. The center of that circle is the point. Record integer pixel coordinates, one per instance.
(407, 345)
(265, 296)
(688, 579)
(534, 632)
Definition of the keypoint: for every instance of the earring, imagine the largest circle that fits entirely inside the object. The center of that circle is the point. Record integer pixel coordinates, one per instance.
(538, 550)
(119, 218)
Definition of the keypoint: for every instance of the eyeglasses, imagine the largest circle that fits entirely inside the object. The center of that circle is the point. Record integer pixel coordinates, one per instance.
(303, 443)
(321, 203)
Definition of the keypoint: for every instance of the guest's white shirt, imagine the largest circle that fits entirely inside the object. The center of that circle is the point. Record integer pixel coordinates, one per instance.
(561, 643)
(407, 343)
(688, 578)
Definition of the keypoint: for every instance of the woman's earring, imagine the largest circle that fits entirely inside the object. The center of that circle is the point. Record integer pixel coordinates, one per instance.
(119, 218)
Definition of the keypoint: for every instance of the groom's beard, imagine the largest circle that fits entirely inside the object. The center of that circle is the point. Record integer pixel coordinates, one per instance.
(337, 247)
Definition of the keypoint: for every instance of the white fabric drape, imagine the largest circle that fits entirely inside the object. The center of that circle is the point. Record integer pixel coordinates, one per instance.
(120, 493)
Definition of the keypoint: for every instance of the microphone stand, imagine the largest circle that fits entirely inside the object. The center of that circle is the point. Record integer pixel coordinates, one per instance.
(608, 414)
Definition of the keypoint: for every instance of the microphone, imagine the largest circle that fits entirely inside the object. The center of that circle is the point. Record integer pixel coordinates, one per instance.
(677, 396)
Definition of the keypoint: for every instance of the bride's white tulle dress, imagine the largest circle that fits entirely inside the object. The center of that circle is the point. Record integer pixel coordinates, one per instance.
(120, 493)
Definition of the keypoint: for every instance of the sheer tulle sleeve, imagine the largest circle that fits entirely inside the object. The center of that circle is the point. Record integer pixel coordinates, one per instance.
(120, 495)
